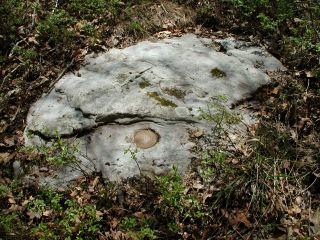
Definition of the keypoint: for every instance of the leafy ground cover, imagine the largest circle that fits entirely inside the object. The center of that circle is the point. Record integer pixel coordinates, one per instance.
(262, 186)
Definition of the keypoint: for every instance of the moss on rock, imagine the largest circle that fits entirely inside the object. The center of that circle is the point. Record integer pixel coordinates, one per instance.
(172, 91)
(162, 101)
(216, 72)
(144, 84)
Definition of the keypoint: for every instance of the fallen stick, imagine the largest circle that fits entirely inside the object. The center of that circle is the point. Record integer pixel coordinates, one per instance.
(60, 76)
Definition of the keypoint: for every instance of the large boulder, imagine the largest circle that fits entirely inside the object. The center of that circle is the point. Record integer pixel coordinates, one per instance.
(145, 97)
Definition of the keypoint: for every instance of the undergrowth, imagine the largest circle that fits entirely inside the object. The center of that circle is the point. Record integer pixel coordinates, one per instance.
(262, 186)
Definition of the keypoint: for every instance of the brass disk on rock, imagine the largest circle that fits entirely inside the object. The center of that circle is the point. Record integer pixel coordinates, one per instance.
(145, 138)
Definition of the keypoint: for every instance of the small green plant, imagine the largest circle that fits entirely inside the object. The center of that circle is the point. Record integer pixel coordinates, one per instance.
(128, 223)
(87, 9)
(173, 227)
(55, 28)
(44, 232)
(136, 27)
(147, 233)
(12, 14)
(26, 56)
(37, 206)
(212, 160)
(171, 188)
(138, 230)
(3, 190)
(52, 198)
(85, 219)
(218, 113)
(62, 153)
(57, 153)
(133, 154)
(267, 23)
(8, 222)
(87, 28)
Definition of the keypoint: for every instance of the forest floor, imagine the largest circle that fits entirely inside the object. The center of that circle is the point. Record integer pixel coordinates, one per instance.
(266, 187)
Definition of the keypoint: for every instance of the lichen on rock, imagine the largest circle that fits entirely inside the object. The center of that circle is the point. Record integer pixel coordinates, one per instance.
(162, 101)
(216, 72)
(144, 83)
(176, 92)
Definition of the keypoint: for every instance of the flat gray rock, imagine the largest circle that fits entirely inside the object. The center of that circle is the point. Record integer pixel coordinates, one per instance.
(152, 86)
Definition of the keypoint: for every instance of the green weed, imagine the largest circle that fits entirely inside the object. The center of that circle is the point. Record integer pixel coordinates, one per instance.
(136, 28)
(87, 9)
(88, 29)
(44, 232)
(11, 17)
(128, 223)
(138, 230)
(27, 56)
(37, 206)
(133, 154)
(218, 113)
(8, 222)
(55, 28)
(171, 188)
(57, 154)
(3, 190)
(212, 161)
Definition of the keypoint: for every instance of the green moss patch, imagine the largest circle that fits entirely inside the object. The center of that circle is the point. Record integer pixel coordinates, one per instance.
(162, 101)
(144, 84)
(216, 72)
(178, 93)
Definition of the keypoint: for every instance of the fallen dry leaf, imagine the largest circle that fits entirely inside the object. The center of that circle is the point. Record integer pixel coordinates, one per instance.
(114, 222)
(197, 186)
(12, 200)
(33, 40)
(33, 215)
(116, 235)
(275, 90)
(239, 217)
(6, 157)
(198, 133)
(9, 141)
(315, 219)
(19, 137)
(205, 197)
(47, 213)
(309, 74)
(95, 181)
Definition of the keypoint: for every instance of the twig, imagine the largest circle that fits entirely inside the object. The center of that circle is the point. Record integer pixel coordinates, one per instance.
(307, 87)
(234, 228)
(306, 189)
(309, 230)
(313, 24)
(60, 76)
(16, 45)
(164, 8)
(9, 74)
(16, 113)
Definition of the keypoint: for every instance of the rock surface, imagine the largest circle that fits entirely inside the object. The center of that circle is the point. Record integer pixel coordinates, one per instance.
(154, 88)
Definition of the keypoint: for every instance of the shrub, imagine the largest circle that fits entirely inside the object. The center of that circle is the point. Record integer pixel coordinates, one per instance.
(11, 17)
(55, 29)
